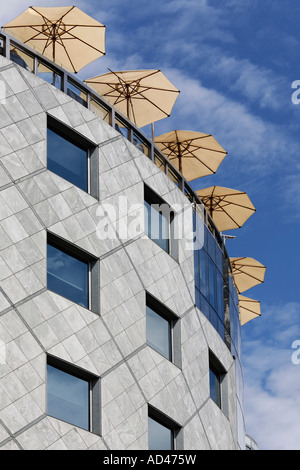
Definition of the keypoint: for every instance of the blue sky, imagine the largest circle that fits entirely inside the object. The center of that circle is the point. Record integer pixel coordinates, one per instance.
(234, 62)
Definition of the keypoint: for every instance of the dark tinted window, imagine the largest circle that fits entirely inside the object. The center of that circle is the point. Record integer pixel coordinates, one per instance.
(67, 159)
(67, 275)
(158, 332)
(68, 397)
(215, 385)
(160, 437)
(157, 220)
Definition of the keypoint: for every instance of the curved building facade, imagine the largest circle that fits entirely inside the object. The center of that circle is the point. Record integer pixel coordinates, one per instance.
(119, 323)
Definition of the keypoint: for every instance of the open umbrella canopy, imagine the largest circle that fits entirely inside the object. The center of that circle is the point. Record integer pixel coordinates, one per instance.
(194, 154)
(229, 208)
(248, 308)
(247, 273)
(144, 96)
(66, 35)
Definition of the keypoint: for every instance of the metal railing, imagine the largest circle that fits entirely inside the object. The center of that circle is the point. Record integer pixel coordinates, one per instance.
(68, 83)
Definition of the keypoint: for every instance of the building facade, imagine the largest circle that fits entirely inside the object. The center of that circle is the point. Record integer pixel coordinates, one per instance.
(112, 335)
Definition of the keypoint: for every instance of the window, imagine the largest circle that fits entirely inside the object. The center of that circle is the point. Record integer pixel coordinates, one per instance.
(163, 433)
(216, 377)
(71, 156)
(49, 75)
(77, 93)
(210, 284)
(73, 395)
(158, 219)
(162, 330)
(159, 333)
(122, 127)
(140, 143)
(21, 58)
(71, 272)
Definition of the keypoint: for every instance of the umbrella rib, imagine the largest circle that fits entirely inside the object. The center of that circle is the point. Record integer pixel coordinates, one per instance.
(34, 37)
(111, 85)
(143, 97)
(155, 105)
(123, 83)
(238, 271)
(72, 8)
(249, 309)
(132, 110)
(192, 155)
(86, 43)
(121, 80)
(39, 13)
(240, 205)
(146, 88)
(119, 100)
(86, 25)
(210, 150)
(68, 24)
(24, 26)
(62, 44)
(228, 215)
(204, 164)
(245, 265)
(229, 203)
(48, 43)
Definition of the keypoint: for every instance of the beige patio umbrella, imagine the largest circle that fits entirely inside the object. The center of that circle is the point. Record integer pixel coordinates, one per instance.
(66, 35)
(229, 208)
(144, 96)
(194, 154)
(247, 273)
(248, 309)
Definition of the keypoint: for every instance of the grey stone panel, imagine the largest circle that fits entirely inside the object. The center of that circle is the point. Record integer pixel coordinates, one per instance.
(110, 344)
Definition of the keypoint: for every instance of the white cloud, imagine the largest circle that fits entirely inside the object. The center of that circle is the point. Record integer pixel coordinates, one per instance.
(255, 83)
(255, 143)
(272, 388)
(16, 7)
(289, 190)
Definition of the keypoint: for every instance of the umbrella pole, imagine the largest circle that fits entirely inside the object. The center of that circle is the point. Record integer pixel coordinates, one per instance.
(211, 207)
(53, 41)
(179, 158)
(127, 99)
(152, 130)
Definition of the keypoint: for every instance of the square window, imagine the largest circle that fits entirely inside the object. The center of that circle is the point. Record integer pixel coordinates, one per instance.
(72, 395)
(72, 157)
(162, 431)
(162, 330)
(71, 272)
(158, 219)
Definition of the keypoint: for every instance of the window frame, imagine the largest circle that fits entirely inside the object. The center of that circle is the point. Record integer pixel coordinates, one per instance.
(164, 420)
(216, 368)
(93, 269)
(79, 140)
(94, 397)
(174, 329)
(152, 198)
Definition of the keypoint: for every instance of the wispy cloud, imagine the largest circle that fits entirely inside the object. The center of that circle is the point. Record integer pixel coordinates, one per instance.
(255, 143)
(15, 8)
(289, 189)
(272, 388)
